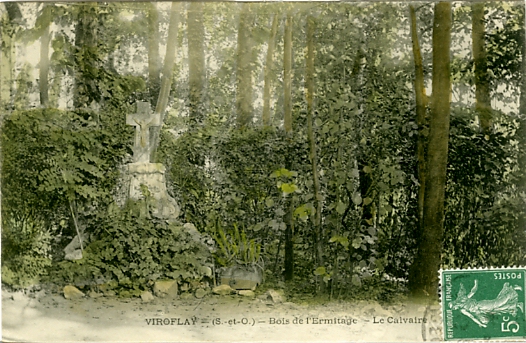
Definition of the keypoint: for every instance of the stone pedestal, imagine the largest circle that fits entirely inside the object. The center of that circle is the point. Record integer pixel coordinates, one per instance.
(148, 177)
(242, 277)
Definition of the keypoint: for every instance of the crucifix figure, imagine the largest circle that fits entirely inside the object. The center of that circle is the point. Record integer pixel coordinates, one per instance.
(142, 120)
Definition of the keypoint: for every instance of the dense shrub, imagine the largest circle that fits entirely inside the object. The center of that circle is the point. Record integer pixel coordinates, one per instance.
(482, 202)
(56, 166)
(133, 248)
(26, 252)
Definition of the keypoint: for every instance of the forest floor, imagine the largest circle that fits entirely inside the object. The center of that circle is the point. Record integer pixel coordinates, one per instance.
(45, 316)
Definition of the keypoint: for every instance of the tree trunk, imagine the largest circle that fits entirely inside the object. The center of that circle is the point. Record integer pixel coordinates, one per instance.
(364, 174)
(166, 81)
(84, 89)
(55, 89)
(289, 240)
(154, 58)
(366, 181)
(421, 106)
(423, 276)
(8, 31)
(309, 80)
(522, 130)
(43, 82)
(287, 76)
(6, 71)
(244, 68)
(268, 70)
(196, 61)
(482, 94)
(8, 28)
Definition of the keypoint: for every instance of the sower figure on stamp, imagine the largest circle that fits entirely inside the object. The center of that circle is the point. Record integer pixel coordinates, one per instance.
(506, 302)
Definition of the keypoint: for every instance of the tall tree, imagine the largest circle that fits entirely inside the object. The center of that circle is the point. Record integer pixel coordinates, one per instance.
(482, 92)
(10, 25)
(309, 81)
(85, 87)
(167, 76)
(86, 55)
(244, 67)
(196, 61)
(268, 70)
(43, 82)
(423, 276)
(154, 58)
(364, 169)
(522, 127)
(287, 73)
(421, 106)
(287, 83)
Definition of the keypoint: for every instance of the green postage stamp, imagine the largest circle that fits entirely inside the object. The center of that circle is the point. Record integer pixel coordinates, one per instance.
(482, 304)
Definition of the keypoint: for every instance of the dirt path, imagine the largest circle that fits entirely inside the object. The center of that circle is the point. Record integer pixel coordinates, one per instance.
(50, 317)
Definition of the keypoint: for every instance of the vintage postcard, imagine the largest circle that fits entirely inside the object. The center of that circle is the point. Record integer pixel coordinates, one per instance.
(266, 171)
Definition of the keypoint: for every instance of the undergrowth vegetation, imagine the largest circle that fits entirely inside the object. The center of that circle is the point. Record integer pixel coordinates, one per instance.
(303, 163)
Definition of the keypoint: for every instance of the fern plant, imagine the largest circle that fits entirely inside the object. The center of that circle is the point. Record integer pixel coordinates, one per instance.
(236, 248)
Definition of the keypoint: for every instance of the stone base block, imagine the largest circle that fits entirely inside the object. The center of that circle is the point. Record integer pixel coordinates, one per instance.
(149, 178)
(240, 277)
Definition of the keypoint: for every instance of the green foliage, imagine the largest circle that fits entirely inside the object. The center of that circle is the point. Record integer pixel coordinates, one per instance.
(504, 42)
(238, 184)
(285, 181)
(344, 241)
(235, 248)
(54, 159)
(223, 178)
(26, 251)
(132, 249)
(321, 271)
(482, 203)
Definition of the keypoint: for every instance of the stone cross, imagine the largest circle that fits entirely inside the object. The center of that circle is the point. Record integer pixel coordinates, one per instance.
(142, 120)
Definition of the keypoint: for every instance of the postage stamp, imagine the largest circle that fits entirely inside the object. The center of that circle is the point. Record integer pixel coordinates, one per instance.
(483, 303)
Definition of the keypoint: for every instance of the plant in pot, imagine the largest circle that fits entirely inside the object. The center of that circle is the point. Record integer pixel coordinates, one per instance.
(239, 257)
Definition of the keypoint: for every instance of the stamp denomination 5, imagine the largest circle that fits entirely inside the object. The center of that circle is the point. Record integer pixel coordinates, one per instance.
(493, 308)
